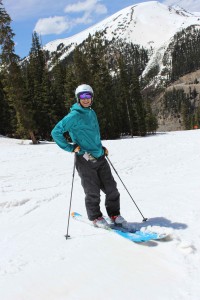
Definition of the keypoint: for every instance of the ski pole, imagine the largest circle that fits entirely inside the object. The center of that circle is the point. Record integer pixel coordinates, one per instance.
(144, 219)
(70, 202)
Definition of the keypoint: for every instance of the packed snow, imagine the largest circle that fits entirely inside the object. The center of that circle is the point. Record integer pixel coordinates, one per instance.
(37, 262)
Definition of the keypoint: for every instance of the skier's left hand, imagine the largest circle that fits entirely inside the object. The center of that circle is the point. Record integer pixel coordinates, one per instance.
(77, 148)
(105, 151)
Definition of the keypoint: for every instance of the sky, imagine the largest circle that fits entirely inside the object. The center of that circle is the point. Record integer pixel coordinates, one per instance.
(63, 18)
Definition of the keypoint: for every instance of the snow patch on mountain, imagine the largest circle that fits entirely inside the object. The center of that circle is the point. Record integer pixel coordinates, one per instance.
(149, 24)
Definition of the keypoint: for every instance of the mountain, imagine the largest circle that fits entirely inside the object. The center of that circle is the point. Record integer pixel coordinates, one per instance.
(150, 24)
(170, 36)
(173, 119)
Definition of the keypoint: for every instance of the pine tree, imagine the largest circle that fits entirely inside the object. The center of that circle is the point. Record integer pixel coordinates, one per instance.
(12, 78)
(48, 107)
(81, 65)
(39, 94)
(69, 86)
(7, 113)
(6, 127)
(150, 119)
(58, 88)
(132, 104)
(104, 102)
(7, 55)
(123, 100)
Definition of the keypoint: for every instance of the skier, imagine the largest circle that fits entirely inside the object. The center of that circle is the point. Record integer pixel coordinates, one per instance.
(92, 166)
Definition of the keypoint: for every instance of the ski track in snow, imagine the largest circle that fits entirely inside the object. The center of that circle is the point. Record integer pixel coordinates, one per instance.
(162, 174)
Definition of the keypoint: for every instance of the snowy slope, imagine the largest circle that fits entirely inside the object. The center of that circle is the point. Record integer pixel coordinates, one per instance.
(36, 261)
(149, 24)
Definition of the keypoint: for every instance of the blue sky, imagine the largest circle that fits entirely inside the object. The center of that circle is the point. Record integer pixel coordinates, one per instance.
(55, 19)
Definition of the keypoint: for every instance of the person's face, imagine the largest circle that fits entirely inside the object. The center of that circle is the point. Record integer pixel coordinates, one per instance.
(86, 102)
(85, 99)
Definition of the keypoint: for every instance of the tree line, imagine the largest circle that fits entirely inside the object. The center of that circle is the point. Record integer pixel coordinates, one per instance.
(33, 98)
(186, 52)
(184, 106)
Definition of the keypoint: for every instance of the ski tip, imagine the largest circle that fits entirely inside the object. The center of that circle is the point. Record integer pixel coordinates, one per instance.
(75, 214)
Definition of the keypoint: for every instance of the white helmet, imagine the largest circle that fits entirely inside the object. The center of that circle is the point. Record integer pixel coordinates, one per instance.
(83, 88)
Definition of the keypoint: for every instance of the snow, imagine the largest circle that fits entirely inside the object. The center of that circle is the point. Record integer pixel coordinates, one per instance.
(37, 262)
(149, 24)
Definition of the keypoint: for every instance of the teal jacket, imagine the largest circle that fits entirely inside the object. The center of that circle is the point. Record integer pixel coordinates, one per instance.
(83, 128)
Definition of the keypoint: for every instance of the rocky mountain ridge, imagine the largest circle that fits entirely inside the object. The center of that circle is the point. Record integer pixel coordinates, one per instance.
(151, 25)
(159, 29)
(168, 121)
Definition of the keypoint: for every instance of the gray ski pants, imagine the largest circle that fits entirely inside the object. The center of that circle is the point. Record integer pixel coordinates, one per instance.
(97, 176)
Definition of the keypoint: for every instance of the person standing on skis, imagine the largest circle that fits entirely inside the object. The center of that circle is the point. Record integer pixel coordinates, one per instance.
(90, 157)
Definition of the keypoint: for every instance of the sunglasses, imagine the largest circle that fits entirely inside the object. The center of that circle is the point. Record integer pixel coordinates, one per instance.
(85, 96)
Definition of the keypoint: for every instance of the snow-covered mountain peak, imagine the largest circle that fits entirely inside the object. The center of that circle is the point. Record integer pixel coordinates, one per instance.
(149, 24)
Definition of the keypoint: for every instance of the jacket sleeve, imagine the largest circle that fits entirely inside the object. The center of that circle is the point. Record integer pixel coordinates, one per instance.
(57, 133)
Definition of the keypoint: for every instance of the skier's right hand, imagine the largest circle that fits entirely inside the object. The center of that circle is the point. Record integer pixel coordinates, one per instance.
(105, 151)
(77, 148)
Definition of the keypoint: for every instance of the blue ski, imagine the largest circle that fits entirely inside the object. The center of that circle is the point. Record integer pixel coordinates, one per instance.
(138, 236)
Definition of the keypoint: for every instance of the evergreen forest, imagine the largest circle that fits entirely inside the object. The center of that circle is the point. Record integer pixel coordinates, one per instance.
(34, 97)
(186, 52)
(36, 92)
(183, 106)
